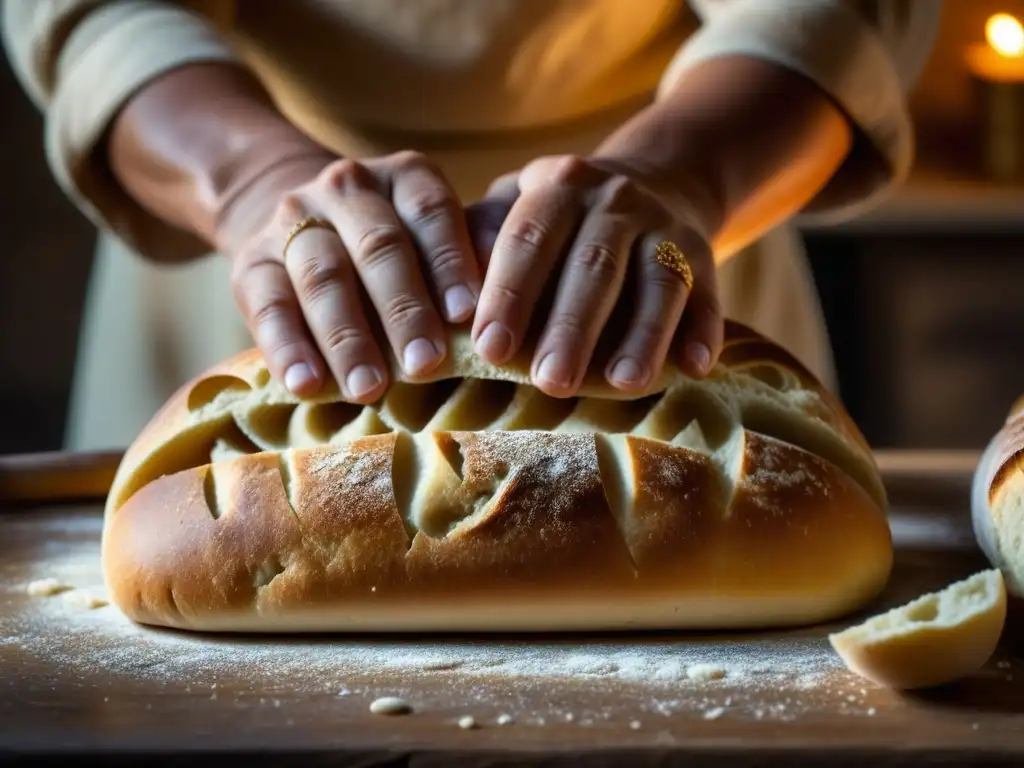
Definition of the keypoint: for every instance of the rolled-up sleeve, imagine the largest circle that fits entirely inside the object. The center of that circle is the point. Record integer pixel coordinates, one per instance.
(865, 55)
(80, 61)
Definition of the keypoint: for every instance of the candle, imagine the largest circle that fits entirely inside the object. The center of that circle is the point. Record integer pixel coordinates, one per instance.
(997, 70)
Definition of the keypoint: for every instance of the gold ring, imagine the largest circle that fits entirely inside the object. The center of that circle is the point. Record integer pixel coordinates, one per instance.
(671, 258)
(306, 223)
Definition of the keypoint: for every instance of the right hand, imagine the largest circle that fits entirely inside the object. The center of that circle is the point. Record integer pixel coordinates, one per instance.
(399, 233)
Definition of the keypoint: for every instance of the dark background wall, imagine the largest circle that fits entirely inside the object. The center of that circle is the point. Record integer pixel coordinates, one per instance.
(925, 304)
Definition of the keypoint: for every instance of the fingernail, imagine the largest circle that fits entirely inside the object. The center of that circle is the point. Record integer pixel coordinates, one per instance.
(495, 342)
(458, 302)
(554, 369)
(420, 355)
(627, 371)
(362, 380)
(699, 355)
(299, 377)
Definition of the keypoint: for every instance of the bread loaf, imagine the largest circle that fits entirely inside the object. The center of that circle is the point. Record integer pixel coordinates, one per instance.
(476, 503)
(997, 500)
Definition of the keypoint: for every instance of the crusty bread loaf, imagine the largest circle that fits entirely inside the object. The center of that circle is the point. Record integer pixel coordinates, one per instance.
(936, 639)
(997, 500)
(476, 503)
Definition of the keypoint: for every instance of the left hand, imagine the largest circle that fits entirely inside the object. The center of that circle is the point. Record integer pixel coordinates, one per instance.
(592, 220)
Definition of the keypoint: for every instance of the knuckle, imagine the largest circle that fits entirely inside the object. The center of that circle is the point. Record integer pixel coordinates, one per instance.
(341, 338)
(568, 169)
(597, 259)
(379, 244)
(657, 276)
(431, 205)
(316, 276)
(445, 259)
(409, 159)
(272, 309)
(620, 193)
(344, 174)
(403, 309)
(529, 233)
(291, 207)
(245, 268)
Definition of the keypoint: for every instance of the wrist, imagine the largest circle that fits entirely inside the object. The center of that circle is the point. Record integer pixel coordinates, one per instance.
(243, 206)
(194, 145)
(684, 189)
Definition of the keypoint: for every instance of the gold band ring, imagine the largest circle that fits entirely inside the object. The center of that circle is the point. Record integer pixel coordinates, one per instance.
(671, 258)
(307, 223)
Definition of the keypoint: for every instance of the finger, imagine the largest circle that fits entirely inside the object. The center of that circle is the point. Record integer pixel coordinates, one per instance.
(661, 297)
(428, 207)
(387, 264)
(325, 283)
(484, 220)
(265, 296)
(588, 288)
(486, 216)
(528, 246)
(702, 331)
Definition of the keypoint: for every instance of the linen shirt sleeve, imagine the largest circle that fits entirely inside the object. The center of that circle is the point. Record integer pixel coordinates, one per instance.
(865, 54)
(80, 61)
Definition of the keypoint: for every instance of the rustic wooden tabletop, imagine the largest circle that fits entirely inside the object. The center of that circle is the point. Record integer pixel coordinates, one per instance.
(80, 682)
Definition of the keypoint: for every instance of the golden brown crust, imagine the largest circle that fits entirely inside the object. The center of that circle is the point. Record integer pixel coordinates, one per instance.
(997, 500)
(501, 509)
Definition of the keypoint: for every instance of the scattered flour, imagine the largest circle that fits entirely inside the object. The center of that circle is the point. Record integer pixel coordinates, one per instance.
(46, 587)
(583, 681)
(703, 673)
(81, 598)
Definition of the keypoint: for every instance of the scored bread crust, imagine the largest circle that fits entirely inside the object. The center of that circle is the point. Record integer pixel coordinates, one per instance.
(473, 502)
(997, 500)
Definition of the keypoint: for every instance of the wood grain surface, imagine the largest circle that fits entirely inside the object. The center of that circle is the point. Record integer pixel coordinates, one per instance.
(79, 683)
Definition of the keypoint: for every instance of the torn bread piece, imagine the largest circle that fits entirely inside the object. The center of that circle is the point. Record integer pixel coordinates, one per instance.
(938, 638)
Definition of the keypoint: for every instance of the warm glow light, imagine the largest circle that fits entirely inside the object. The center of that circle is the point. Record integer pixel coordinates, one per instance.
(1005, 34)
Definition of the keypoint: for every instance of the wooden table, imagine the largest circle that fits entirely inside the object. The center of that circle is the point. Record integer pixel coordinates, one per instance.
(77, 683)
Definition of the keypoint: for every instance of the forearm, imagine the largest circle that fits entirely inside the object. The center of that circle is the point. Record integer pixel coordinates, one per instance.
(193, 140)
(747, 142)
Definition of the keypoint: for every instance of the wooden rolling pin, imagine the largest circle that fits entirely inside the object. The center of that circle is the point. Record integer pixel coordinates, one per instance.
(57, 476)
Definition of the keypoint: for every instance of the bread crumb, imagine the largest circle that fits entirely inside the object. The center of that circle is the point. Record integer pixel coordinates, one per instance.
(635, 725)
(871, 711)
(466, 722)
(390, 705)
(569, 717)
(505, 719)
(714, 714)
(84, 599)
(47, 587)
(704, 673)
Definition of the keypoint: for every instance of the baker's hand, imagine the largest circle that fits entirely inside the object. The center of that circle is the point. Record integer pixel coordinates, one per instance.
(593, 221)
(391, 226)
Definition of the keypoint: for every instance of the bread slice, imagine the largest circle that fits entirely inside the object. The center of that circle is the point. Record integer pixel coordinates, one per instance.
(936, 639)
(473, 502)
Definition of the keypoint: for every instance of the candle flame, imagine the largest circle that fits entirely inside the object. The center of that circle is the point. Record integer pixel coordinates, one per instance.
(1005, 34)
